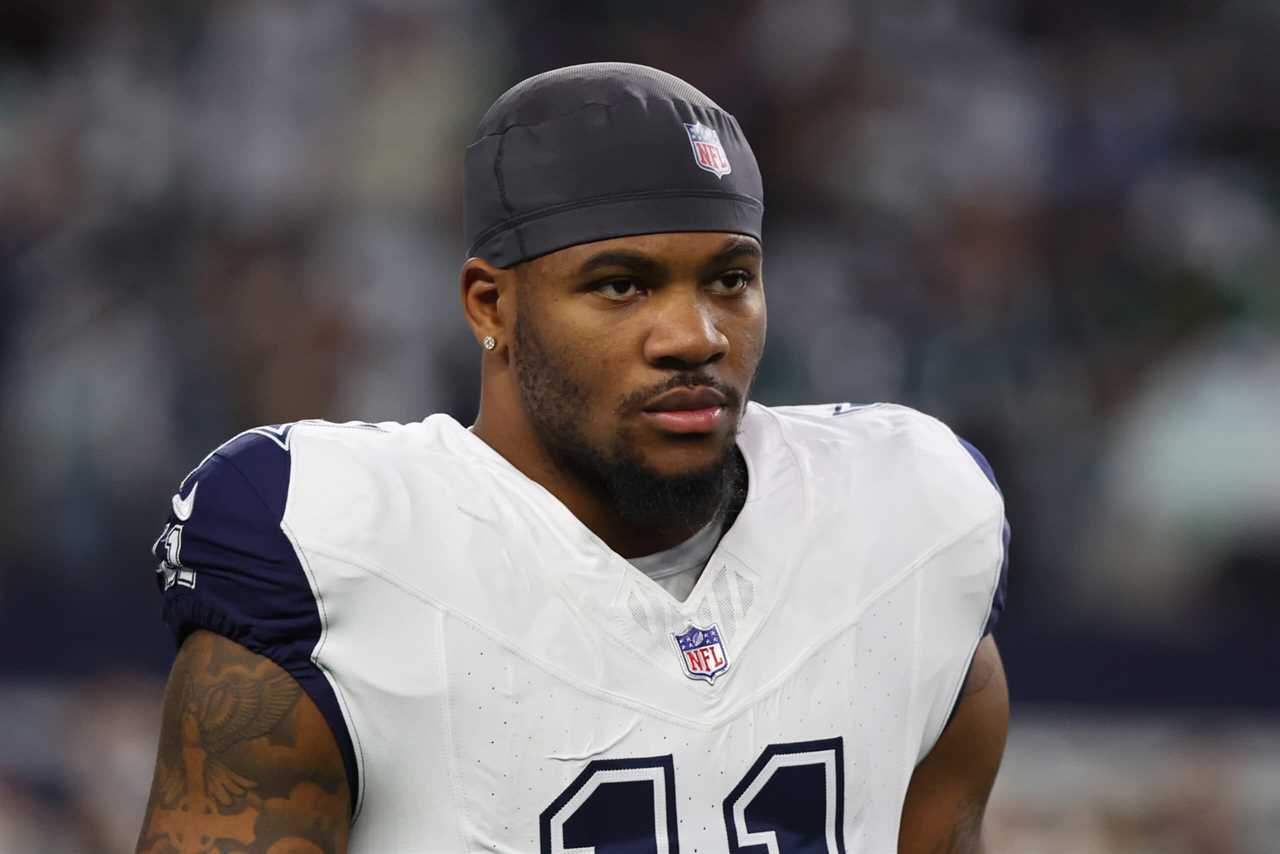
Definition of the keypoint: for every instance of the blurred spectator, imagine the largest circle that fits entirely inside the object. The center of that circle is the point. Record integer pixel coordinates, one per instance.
(1191, 494)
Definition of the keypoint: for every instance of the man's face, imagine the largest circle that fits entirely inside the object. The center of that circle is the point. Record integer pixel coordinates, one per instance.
(634, 358)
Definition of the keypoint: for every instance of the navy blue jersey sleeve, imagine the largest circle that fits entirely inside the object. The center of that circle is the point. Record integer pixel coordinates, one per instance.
(997, 602)
(227, 566)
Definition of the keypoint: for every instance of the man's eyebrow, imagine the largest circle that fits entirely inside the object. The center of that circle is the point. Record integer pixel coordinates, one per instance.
(733, 249)
(639, 262)
(635, 261)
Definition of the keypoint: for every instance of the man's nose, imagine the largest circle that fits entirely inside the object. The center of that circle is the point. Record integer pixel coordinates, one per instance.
(685, 333)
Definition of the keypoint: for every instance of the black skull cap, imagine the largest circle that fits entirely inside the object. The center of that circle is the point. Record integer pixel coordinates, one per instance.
(607, 149)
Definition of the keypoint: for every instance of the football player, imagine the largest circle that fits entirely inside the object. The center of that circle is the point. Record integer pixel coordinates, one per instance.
(628, 610)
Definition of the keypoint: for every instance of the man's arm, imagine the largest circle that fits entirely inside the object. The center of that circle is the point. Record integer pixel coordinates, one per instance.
(246, 763)
(949, 789)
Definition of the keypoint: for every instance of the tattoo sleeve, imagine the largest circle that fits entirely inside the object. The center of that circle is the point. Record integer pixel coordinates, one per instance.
(246, 765)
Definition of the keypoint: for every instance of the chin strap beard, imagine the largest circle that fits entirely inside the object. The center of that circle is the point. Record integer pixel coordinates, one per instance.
(645, 497)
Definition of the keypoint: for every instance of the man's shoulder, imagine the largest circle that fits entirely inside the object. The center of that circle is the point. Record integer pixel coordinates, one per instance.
(320, 481)
(259, 472)
(897, 481)
(842, 428)
(272, 454)
(885, 446)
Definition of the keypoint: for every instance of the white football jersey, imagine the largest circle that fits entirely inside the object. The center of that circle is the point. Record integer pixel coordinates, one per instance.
(500, 680)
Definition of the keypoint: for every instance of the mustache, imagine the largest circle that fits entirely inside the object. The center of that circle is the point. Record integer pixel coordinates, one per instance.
(638, 399)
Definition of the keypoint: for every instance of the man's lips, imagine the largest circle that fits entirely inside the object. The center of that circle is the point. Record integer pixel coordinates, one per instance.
(704, 420)
(701, 397)
(687, 410)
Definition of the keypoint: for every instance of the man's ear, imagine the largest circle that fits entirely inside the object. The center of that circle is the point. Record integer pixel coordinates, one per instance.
(488, 301)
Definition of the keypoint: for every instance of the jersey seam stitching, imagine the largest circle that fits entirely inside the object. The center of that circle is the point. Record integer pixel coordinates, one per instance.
(885, 587)
(551, 669)
(339, 694)
(928, 555)
(878, 593)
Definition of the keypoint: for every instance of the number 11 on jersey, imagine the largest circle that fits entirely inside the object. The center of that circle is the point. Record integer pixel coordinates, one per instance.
(790, 801)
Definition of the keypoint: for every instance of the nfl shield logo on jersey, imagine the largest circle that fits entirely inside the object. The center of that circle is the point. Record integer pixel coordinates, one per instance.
(708, 153)
(702, 653)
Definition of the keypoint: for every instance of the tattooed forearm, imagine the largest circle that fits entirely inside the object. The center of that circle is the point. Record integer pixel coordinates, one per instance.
(246, 762)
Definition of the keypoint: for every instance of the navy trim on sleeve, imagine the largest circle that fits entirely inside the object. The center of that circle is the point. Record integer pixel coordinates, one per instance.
(227, 566)
(997, 602)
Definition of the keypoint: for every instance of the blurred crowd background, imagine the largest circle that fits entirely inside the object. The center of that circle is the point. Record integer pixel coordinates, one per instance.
(1054, 225)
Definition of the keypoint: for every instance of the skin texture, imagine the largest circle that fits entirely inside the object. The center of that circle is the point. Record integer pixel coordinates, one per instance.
(588, 336)
(246, 762)
(949, 789)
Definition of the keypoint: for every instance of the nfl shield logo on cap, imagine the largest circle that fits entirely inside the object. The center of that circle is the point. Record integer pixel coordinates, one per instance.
(708, 153)
(702, 653)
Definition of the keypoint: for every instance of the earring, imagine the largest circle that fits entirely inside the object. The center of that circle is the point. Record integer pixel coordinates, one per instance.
(488, 342)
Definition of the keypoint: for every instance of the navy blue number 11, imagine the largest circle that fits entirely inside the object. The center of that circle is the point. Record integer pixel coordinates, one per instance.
(790, 801)
(615, 806)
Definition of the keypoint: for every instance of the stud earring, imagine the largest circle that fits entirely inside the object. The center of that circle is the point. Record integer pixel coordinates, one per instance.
(488, 342)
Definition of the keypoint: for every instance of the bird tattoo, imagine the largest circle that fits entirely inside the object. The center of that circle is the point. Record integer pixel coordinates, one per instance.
(239, 706)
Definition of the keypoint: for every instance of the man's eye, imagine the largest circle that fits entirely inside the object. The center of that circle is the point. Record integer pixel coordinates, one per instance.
(735, 281)
(618, 289)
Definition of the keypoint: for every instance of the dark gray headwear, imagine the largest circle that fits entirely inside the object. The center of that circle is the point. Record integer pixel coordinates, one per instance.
(604, 150)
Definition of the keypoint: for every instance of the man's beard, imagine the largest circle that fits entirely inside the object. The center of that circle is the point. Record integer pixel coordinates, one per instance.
(555, 404)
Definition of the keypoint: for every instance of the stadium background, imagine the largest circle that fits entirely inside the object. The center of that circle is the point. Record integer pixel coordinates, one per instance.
(1054, 226)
